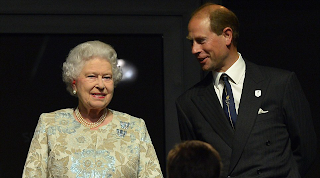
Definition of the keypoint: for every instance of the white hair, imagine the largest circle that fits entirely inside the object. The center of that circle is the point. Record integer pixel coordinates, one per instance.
(84, 52)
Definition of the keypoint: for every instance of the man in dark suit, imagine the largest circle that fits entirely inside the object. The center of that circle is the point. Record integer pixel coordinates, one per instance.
(271, 133)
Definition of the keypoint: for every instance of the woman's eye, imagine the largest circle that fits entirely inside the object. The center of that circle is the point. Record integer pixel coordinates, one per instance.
(107, 77)
(91, 77)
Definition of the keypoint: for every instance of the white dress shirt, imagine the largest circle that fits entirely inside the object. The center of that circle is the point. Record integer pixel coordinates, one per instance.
(236, 75)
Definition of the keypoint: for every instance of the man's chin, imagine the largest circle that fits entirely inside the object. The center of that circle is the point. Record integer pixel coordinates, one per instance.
(205, 68)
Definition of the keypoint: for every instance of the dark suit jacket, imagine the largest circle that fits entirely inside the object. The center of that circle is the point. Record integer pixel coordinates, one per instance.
(278, 143)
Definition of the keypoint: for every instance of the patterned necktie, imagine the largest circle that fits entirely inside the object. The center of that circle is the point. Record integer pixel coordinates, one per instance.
(228, 101)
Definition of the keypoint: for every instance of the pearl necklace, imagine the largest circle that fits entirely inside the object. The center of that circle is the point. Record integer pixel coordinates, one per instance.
(90, 124)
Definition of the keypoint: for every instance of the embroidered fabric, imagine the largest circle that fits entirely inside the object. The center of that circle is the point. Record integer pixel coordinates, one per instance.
(62, 147)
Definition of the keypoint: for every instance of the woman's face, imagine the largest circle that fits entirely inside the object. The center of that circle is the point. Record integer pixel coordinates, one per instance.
(94, 85)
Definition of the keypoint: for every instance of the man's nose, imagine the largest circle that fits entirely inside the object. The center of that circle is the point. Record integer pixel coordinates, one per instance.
(195, 48)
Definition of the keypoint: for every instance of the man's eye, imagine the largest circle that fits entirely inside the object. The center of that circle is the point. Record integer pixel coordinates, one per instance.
(201, 41)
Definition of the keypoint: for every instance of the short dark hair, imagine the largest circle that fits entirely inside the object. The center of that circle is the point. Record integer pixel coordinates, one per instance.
(192, 159)
(220, 18)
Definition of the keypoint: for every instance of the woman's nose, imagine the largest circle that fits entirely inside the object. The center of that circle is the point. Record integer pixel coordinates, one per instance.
(100, 83)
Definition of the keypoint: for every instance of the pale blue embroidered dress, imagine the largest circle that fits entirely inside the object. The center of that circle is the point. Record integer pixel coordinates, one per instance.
(62, 147)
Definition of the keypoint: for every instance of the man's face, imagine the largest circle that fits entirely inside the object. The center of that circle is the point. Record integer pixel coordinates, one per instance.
(209, 48)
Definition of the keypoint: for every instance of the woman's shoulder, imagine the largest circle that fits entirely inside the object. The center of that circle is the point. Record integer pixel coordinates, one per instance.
(61, 113)
(125, 117)
(66, 111)
(62, 120)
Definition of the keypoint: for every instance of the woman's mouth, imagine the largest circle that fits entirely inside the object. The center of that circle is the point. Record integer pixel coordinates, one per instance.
(98, 95)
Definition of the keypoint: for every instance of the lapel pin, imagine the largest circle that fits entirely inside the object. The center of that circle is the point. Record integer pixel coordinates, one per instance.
(257, 93)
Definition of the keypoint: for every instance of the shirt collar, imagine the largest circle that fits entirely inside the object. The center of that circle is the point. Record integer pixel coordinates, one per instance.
(234, 72)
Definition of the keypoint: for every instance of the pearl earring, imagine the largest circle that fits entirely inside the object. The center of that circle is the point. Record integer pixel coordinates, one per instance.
(74, 92)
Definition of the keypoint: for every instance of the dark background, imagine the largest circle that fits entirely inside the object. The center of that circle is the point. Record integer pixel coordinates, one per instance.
(36, 36)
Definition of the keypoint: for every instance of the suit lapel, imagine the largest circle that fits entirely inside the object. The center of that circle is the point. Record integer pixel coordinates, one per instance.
(209, 106)
(248, 109)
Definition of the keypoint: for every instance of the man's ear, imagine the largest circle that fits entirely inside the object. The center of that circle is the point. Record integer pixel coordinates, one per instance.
(227, 33)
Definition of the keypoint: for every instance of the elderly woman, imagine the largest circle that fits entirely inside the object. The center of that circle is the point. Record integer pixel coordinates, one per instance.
(91, 140)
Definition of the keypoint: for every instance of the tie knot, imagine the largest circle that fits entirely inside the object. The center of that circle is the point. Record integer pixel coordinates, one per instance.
(224, 77)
